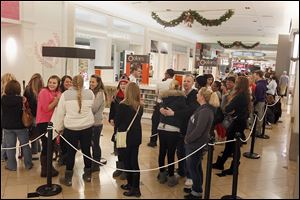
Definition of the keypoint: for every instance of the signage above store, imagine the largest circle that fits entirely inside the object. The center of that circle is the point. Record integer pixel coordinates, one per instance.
(138, 58)
(247, 54)
(207, 62)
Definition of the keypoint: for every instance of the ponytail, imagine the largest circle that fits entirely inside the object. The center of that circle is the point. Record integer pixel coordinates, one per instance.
(78, 85)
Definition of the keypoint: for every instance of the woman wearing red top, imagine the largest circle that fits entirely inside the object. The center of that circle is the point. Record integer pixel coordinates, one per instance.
(47, 100)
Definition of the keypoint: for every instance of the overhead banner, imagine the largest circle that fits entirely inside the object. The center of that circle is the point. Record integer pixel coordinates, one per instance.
(144, 61)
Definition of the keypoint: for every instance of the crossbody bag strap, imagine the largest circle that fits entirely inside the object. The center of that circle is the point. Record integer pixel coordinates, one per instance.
(133, 119)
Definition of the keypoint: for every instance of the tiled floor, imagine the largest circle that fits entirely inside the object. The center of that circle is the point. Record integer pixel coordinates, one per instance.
(271, 176)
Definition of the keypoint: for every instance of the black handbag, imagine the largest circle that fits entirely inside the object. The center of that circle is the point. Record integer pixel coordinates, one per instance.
(228, 120)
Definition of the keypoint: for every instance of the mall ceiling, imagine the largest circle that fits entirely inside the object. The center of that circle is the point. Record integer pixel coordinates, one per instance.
(253, 21)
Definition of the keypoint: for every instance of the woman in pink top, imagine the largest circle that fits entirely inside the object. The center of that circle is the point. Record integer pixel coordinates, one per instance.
(47, 100)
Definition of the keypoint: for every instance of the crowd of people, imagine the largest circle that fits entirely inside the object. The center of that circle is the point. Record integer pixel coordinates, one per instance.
(184, 117)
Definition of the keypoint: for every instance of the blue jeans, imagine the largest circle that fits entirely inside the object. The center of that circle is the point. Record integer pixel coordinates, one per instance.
(194, 167)
(96, 149)
(11, 140)
(3, 144)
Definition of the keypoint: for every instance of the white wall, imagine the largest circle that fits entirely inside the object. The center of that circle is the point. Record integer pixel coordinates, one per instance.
(41, 24)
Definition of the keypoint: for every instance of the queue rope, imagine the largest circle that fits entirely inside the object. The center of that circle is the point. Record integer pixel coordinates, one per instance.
(266, 109)
(125, 170)
(9, 148)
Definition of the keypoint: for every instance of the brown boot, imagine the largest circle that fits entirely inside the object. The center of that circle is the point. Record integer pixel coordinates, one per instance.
(43, 160)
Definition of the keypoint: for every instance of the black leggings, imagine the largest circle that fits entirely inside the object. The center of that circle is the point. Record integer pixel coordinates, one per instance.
(167, 146)
(42, 127)
(85, 138)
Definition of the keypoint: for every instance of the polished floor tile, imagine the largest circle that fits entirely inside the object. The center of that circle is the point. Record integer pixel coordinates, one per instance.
(271, 176)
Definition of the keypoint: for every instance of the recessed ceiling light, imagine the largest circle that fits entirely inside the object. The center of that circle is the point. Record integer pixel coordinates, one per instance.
(247, 8)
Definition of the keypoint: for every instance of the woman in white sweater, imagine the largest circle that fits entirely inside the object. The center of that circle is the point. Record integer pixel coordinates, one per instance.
(75, 116)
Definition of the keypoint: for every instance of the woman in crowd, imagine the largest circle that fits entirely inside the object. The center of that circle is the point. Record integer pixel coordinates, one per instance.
(13, 128)
(169, 131)
(31, 92)
(114, 107)
(209, 80)
(238, 107)
(66, 83)
(197, 135)
(96, 85)
(128, 108)
(75, 117)
(5, 78)
(47, 100)
(216, 87)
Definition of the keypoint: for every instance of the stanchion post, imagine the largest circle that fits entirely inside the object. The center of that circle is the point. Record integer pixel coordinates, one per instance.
(49, 189)
(209, 167)
(235, 169)
(263, 135)
(251, 154)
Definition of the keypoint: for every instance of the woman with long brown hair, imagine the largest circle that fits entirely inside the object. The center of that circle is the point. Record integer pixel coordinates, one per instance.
(238, 107)
(31, 92)
(97, 86)
(127, 110)
(75, 117)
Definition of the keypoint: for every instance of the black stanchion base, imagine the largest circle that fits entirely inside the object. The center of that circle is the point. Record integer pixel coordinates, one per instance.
(251, 155)
(45, 190)
(230, 197)
(263, 136)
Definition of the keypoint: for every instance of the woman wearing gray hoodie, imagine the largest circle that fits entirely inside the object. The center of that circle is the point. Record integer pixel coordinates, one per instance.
(197, 135)
(96, 85)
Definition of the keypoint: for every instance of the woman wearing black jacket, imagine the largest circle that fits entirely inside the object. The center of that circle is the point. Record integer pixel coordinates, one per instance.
(238, 107)
(13, 128)
(114, 107)
(169, 131)
(127, 110)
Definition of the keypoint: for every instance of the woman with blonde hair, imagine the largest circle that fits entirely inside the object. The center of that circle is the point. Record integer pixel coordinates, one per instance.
(128, 108)
(74, 116)
(197, 134)
(5, 78)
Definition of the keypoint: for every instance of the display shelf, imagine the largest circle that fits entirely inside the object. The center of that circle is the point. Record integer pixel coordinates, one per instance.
(148, 96)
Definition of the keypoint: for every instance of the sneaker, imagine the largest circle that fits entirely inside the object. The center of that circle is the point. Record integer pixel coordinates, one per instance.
(187, 190)
(188, 183)
(152, 144)
(172, 181)
(190, 196)
(6, 167)
(268, 126)
(30, 167)
(162, 177)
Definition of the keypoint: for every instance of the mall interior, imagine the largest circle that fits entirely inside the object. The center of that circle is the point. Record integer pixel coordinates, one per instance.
(106, 37)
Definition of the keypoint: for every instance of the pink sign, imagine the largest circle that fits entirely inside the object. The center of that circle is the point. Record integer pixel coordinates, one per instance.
(10, 10)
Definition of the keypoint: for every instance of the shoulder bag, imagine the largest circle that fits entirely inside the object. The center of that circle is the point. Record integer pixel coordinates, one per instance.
(121, 136)
(27, 117)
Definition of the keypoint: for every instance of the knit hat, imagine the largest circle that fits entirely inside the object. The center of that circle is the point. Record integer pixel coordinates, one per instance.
(123, 80)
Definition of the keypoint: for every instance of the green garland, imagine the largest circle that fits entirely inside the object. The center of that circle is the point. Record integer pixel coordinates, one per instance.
(191, 15)
(237, 43)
